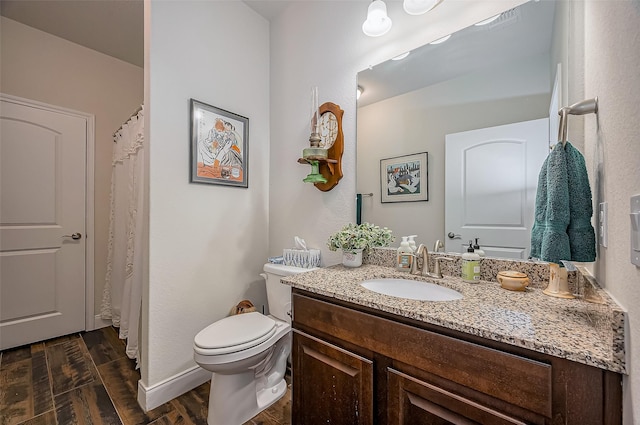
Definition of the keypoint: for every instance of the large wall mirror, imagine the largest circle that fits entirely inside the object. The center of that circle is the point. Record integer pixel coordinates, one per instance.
(483, 106)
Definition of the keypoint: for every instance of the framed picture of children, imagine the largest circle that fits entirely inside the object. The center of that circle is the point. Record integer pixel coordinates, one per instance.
(405, 178)
(219, 146)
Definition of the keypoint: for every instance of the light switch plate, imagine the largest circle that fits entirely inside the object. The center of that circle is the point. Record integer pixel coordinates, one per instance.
(602, 224)
(634, 243)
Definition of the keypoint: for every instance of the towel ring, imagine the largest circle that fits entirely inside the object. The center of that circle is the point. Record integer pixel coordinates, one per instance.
(588, 106)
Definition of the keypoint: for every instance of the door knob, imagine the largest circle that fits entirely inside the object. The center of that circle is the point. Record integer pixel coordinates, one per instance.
(452, 235)
(74, 236)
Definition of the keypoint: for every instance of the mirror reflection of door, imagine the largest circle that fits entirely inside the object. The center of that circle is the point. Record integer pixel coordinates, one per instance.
(490, 187)
(483, 76)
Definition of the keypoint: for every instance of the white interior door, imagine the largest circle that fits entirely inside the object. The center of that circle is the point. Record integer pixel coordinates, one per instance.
(490, 187)
(42, 223)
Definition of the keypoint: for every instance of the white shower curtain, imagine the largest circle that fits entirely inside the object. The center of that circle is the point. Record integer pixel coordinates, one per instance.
(122, 296)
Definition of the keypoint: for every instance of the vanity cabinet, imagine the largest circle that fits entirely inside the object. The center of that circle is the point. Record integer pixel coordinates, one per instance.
(356, 365)
(336, 386)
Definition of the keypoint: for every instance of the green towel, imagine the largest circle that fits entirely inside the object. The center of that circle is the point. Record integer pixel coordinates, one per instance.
(562, 228)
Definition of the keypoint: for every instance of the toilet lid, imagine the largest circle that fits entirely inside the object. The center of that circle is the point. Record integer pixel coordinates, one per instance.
(235, 333)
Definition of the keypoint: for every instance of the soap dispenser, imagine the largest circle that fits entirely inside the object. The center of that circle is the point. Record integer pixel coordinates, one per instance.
(412, 243)
(477, 249)
(470, 265)
(405, 256)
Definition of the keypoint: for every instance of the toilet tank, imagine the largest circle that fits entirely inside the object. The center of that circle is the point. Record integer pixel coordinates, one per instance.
(279, 294)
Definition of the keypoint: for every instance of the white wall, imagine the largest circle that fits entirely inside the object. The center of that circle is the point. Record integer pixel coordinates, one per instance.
(612, 151)
(321, 43)
(39, 66)
(419, 121)
(207, 243)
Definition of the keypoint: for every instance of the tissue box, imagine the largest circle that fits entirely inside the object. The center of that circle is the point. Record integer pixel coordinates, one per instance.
(301, 258)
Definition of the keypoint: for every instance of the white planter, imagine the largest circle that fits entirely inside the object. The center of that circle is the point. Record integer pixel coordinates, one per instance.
(352, 259)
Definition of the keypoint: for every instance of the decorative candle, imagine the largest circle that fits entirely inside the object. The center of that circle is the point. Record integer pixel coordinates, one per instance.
(314, 111)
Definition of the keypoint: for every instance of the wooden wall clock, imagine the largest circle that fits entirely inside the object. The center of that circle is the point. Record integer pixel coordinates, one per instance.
(332, 139)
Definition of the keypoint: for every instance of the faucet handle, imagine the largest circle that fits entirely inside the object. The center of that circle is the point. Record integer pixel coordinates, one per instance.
(436, 266)
(437, 246)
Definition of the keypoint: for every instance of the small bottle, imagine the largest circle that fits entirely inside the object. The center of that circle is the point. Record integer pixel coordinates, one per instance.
(412, 243)
(405, 256)
(470, 265)
(477, 249)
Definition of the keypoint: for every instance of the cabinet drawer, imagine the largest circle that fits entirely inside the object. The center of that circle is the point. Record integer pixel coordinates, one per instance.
(517, 380)
(411, 401)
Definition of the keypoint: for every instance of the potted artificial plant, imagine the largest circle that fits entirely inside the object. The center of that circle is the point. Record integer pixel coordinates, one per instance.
(352, 239)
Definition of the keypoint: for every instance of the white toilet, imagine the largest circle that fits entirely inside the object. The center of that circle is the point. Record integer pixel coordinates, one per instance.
(247, 354)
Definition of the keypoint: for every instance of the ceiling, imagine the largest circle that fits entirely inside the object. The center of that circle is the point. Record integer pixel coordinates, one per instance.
(116, 28)
(268, 9)
(112, 27)
(519, 33)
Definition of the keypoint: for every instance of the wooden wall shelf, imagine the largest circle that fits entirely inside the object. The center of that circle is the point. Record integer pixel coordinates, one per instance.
(330, 167)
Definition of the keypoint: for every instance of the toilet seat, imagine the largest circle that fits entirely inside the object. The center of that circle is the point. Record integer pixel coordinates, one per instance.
(234, 333)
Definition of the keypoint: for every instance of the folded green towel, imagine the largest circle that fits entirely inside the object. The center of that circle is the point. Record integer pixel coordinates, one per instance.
(562, 228)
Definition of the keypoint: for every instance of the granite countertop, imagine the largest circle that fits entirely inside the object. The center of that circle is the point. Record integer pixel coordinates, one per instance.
(574, 329)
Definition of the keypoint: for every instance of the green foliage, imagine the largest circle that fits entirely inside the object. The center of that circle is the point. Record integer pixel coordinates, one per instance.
(364, 236)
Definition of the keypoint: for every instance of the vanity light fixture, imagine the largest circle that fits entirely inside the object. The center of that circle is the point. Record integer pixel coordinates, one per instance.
(378, 22)
(441, 39)
(359, 92)
(488, 21)
(418, 7)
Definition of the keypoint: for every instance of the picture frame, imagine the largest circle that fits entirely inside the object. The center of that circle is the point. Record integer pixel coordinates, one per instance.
(405, 178)
(219, 147)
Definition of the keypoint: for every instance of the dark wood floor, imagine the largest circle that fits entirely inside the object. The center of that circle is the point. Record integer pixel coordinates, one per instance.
(87, 379)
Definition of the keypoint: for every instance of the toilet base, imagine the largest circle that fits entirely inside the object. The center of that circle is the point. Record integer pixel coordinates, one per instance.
(269, 396)
(239, 396)
(234, 400)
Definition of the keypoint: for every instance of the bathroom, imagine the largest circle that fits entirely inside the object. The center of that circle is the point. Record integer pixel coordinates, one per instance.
(205, 255)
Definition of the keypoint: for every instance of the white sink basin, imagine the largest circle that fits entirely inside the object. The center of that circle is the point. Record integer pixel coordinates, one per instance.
(411, 289)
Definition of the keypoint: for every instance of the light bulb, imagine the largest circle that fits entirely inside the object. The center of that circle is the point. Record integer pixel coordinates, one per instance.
(377, 23)
(418, 7)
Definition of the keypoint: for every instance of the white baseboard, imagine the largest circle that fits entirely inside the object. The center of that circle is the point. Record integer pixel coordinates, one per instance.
(99, 322)
(151, 397)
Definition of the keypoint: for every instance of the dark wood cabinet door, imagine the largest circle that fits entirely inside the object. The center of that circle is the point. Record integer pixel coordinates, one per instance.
(414, 402)
(330, 385)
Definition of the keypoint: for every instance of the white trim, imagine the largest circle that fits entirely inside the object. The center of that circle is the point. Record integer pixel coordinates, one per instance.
(89, 293)
(99, 322)
(151, 397)
(89, 322)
